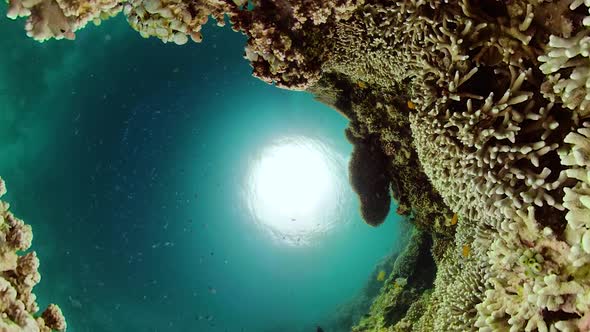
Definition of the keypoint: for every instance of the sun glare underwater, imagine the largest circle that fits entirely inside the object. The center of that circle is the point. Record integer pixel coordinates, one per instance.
(295, 189)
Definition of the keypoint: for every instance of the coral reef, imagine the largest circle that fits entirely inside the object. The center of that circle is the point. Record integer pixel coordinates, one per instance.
(173, 21)
(18, 276)
(411, 277)
(348, 314)
(381, 117)
(475, 114)
(59, 18)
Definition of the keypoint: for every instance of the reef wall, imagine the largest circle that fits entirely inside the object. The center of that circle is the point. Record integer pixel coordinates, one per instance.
(473, 112)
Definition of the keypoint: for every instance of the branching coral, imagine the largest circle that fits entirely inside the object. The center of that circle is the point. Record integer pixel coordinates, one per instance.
(460, 284)
(60, 18)
(577, 198)
(567, 64)
(501, 155)
(18, 276)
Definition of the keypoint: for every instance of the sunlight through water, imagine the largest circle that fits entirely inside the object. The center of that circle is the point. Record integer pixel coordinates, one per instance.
(295, 189)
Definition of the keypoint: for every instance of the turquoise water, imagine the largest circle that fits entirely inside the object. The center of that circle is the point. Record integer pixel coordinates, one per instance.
(142, 166)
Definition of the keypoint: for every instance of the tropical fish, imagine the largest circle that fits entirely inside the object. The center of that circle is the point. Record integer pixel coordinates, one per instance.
(411, 105)
(381, 276)
(75, 303)
(466, 250)
(455, 219)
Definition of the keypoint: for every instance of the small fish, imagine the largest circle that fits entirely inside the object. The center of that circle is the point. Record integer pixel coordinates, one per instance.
(319, 329)
(455, 219)
(75, 303)
(466, 250)
(381, 276)
(411, 105)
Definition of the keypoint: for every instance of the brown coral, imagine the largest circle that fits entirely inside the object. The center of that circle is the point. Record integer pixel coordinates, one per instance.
(18, 275)
(54, 318)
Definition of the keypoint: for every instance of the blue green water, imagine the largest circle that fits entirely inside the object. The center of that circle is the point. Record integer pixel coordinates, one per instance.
(131, 159)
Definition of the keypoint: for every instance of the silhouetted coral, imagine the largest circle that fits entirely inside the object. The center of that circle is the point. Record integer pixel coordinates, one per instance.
(367, 172)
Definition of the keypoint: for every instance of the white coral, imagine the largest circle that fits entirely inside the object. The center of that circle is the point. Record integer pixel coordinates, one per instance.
(565, 53)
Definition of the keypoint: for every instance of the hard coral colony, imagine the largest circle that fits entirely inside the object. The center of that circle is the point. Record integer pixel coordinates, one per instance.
(479, 108)
(18, 276)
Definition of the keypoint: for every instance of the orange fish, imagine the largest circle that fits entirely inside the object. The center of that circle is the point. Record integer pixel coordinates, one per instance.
(361, 84)
(455, 219)
(466, 250)
(411, 105)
